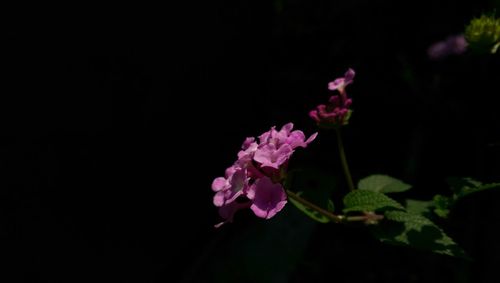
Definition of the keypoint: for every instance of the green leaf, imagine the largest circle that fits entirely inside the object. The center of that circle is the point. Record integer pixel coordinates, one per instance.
(458, 184)
(403, 228)
(330, 206)
(466, 186)
(347, 117)
(461, 187)
(495, 48)
(362, 200)
(309, 212)
(442, 205)
(465, 191)
(420, 207)
(382, 184)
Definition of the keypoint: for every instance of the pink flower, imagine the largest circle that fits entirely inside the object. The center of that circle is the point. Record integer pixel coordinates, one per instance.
(231, 187)
(267, 198)
(254, 180)
(276, 148)
(336, 113)
(271, 156)
(453, 45)
(340, 83)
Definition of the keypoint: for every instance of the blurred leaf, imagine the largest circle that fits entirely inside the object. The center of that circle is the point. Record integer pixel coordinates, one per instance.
(330, 206)
(457, 184)
(309, 212)
(420, 207)
(443, 213)
(403, 228)
(362, 200)
(468, 191)
(469, 186)
(382, 184)
(442, 205)
(495, 48)
(347, 117)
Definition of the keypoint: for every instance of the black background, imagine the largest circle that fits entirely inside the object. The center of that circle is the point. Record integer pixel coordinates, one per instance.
(114, 122)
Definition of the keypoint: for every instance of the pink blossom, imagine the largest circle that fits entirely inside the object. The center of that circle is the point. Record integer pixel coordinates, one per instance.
(271, 156)
(452, 45)
(267, 198)
(336, 112)
(276, 147)
(231, 187)
(341, 83)
(248, 143)
(254, 180)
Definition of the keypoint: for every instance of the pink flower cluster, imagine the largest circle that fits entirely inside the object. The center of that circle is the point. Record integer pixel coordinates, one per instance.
(254, 180)
(336, 112)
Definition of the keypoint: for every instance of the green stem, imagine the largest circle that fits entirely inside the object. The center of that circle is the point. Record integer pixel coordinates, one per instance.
(343, 160)
(331, 216)
(334, 217)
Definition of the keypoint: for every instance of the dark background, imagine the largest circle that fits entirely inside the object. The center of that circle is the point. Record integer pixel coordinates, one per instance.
(114, 122)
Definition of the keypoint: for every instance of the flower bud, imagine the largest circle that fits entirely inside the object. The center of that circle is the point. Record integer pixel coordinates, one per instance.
(483, 34)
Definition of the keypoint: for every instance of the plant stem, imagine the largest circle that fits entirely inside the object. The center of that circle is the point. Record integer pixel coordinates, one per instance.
(331, 216)
(334, 217)
(343, 160)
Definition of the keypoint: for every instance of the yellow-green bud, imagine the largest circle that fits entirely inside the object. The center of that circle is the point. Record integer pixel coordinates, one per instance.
(483, 34)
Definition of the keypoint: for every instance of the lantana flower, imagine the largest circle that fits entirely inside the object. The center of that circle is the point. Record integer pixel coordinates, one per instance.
(336, 112)
(255, 179)
(341, 83)
(453, 45)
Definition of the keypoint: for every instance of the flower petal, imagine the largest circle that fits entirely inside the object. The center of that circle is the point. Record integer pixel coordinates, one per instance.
(268, 198)
(218, 184)
(349, 76)
(311, 138)
(219, 198)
